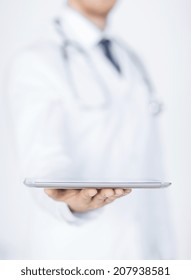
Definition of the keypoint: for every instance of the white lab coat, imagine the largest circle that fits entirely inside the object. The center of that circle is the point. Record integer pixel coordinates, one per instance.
(62, 130)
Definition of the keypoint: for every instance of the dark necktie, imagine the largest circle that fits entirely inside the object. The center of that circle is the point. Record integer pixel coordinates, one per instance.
(106, 46)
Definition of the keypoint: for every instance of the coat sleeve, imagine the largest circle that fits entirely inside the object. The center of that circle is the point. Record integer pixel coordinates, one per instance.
(39, 119)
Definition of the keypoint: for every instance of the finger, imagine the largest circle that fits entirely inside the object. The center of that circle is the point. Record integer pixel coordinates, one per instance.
(127, 191)
(110, 199)
(53, 193)
(87, 194)
(102, 195)
(119, 192)
(59, 194)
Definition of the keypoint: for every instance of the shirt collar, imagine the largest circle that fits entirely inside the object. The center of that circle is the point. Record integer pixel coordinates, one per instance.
(79, 29)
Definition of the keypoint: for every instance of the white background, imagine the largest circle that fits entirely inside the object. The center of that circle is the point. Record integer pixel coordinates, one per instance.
(160, 32)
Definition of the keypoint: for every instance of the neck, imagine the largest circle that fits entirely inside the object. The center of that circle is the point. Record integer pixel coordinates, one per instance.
(98, 20)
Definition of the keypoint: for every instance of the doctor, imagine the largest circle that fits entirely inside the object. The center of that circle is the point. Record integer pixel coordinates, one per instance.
(83, 107)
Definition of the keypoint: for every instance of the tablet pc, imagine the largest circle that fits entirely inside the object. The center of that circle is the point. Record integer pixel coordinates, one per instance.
(81, 184)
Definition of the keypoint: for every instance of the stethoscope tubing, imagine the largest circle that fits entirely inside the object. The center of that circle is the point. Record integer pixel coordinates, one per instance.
(155, 106)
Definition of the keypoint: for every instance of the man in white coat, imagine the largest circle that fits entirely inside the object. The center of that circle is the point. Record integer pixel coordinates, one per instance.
(81, 109)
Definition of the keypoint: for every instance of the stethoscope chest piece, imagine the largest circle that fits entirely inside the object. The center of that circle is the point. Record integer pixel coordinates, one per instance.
(155, 107)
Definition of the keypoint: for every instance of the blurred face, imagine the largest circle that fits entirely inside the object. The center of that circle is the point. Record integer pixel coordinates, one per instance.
(94, 7)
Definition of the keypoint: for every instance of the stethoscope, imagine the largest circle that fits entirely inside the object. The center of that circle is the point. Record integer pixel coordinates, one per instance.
(155, 107)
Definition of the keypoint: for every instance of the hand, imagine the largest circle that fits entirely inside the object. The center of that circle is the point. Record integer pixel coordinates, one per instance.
(86, 199)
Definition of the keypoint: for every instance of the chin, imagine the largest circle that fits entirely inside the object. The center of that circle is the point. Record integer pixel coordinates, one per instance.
(100, 7)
